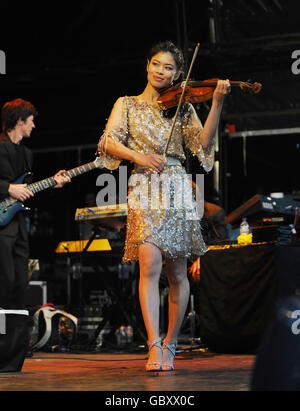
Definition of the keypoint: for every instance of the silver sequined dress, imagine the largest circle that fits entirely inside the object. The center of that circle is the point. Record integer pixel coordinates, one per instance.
(172, 225)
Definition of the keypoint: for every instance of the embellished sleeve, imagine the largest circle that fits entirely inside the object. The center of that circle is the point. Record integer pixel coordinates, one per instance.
(192, 132)
(116, 129)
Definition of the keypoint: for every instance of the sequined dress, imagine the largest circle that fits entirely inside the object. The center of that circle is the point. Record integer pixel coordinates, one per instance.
(158, 210)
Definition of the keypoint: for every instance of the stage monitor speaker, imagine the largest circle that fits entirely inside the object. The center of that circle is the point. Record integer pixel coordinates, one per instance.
(277, 364)
(14, 339)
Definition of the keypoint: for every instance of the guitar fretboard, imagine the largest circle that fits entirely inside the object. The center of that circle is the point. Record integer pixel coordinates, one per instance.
(50, 182)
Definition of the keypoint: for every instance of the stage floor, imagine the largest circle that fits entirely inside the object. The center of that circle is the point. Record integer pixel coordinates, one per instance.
(194, 371)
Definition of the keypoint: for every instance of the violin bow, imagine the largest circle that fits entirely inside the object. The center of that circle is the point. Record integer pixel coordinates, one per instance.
(181, 98)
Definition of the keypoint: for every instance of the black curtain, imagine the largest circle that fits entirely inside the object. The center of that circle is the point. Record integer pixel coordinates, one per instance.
(236, 296)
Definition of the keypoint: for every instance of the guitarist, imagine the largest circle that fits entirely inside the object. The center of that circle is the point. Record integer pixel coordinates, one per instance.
(17, 118)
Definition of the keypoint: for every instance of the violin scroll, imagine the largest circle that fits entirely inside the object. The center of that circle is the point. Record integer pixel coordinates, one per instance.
(252, 87)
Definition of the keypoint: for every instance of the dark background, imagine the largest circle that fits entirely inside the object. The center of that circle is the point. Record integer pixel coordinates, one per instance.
(72, 60)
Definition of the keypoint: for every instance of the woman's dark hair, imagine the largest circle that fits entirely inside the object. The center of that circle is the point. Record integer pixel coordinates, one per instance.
(14, 110)
(168, 47)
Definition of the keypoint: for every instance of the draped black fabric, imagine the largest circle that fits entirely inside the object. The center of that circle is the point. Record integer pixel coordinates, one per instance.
(288, 271)
(237, 296)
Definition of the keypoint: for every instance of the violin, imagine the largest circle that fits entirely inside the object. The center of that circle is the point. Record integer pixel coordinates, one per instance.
(199, 91)
(195, 92)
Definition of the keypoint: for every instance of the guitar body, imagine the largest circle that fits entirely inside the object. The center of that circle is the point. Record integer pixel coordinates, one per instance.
(21, 179)
(9, 209)
(8, 213)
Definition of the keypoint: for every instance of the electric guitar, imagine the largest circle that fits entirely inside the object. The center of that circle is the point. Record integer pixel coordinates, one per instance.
(10, 206)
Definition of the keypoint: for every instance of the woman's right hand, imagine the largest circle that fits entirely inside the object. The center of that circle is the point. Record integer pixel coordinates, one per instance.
(151, 161)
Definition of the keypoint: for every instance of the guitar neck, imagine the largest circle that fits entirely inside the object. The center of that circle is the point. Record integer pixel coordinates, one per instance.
(50, 182)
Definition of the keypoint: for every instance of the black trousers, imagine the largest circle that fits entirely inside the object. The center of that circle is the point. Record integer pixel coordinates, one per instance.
(14, 254)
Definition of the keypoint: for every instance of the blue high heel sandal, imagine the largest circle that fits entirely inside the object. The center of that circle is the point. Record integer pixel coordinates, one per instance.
(169, 366)
(154, 366)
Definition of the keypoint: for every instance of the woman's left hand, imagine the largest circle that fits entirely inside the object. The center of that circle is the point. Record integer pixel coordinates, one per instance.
(223, 88)
(60, 179)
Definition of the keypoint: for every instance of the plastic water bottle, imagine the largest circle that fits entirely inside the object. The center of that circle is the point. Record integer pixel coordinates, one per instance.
(244, 227)
(129, 334)
(123, 336)
(118, 336)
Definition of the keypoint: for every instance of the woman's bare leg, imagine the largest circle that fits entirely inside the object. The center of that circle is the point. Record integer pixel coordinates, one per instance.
(150, 261)
(179, 291)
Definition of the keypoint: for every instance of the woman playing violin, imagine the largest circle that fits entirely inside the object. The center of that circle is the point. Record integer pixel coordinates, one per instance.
(137, 130)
